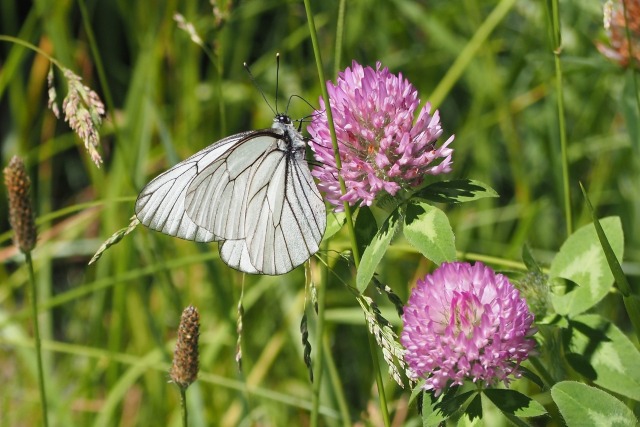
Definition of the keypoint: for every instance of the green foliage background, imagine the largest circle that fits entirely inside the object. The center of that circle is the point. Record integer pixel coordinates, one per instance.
(108, 328)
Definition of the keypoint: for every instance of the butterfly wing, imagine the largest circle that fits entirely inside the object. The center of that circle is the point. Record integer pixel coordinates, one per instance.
(285, 215)
(236, 254)
(216, 198)
(161, 204)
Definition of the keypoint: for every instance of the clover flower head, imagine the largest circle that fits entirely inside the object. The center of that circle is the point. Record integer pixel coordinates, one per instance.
(383, 148)
(462, 322)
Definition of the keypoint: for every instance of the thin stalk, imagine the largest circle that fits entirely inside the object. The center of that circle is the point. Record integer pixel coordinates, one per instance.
(102, 76)
(339, 36)
(36, 333)
(468, 54)
(183, 406)
(215, 57)
(332, 130)
(347, 208)
(630, 302)
(218, 81)
(315, 397)
(373, 349)
(542, 371)
(334, 376)
(557, 50)
(33, 48)
(320, 339)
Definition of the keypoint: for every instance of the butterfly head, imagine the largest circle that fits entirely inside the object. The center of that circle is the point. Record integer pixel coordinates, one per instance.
(282, 119)
(283, 124)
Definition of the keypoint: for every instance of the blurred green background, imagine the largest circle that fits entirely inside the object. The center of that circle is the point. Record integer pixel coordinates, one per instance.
(109, 328)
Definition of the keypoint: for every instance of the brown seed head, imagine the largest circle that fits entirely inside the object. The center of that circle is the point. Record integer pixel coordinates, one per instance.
(21, 215)
(184, 370)
(616, 28)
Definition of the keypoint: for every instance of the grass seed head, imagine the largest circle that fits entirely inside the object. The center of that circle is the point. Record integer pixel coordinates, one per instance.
(21, 215)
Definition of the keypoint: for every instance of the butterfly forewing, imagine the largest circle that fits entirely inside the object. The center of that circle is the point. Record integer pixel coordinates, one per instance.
(216, 198)
(161, 204)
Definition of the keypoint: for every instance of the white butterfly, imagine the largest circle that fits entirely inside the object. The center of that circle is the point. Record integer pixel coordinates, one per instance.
(252, 191)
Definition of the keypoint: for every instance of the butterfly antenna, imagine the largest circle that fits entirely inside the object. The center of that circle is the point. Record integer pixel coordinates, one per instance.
(304, 100)
(253, 80)
(277, 77)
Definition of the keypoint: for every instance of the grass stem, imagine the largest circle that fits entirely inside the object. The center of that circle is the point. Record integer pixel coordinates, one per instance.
(347, 208)
(319, 362)
(32, 47)
(334, 377)
(183, 407)
(38, 343)
(339, 37)
(557, 50)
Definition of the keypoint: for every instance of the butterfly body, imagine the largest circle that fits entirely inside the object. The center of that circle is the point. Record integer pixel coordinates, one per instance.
(252, 191)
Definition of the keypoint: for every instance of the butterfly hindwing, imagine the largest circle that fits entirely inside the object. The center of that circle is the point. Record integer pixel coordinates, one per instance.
(235, 254)
(286, 218)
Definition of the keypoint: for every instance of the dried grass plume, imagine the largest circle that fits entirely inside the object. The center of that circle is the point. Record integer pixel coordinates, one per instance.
(83, 110)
